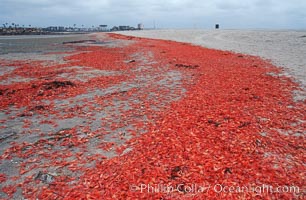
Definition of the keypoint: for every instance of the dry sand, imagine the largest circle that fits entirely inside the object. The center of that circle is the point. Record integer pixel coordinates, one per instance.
(283, 48)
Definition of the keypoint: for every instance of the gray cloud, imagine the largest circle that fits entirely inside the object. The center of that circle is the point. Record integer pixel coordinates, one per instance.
(166, 14)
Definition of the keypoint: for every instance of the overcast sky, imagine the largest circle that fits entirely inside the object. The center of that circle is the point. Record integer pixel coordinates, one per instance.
(279, 14)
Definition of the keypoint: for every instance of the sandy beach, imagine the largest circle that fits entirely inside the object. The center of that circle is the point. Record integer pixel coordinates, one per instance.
(284, 48)
(109, 116)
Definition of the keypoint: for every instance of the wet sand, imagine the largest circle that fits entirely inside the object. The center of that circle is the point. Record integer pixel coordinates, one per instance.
(36, 44)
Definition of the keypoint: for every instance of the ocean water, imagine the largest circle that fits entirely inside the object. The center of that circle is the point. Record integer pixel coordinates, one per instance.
(36, 43)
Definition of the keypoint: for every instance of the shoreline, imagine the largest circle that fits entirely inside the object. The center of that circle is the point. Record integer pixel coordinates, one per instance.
(44, 33)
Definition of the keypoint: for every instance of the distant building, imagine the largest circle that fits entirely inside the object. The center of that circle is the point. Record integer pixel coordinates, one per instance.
(55, 29)
(61, 28)
(124, 28)
(102, 28)
(115, 28)
(140, 26)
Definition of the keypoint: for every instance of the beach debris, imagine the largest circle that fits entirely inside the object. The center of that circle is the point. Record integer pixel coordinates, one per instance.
(80, 41)
(57, 84)
(215, 123)
(8, 134)
(2, 92)
(243, 124)
(61, 134)
(228, 170)
(38, 107)
(6, 92)
(187, 66)
(26, 114)
(175, 172)
(131, 61)
(44, 177)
